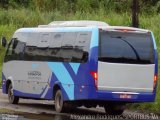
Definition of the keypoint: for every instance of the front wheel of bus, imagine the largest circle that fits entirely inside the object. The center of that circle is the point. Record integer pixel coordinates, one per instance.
(59, 103)
(12, 99)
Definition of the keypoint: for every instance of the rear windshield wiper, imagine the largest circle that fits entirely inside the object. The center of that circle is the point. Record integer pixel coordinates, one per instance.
(136, 53)
(67, 47)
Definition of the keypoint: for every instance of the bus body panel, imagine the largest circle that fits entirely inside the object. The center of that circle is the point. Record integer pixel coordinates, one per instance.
(125, 77)
(74, 79)
(36, 79)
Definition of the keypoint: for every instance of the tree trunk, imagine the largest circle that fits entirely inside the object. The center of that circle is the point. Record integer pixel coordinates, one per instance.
(135, 11)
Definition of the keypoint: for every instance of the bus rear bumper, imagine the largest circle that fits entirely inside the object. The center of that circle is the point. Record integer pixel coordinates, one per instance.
(126, 96)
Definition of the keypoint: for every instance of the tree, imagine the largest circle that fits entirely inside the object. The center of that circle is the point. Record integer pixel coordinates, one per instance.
(135, 11)
(4, 3)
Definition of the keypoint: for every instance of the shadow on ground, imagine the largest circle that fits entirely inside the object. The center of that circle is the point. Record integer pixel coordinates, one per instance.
(70, 113)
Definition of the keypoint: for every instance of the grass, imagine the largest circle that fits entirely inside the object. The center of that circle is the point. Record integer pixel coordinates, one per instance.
(12, 19)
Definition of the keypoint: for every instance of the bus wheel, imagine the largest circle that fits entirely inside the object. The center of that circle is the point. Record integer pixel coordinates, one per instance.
(12, 99)
(59, 103)
(114, 109)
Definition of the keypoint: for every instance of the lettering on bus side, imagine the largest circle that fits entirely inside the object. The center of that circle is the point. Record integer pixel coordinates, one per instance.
(34, 75)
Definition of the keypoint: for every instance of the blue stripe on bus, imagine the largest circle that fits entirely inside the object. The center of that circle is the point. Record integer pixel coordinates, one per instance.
(43, 94)
(30, 95)
(26, 30)
(154, 41)
(73, 29)
(3, 85)
(62, 29)
(95, 38)
(64, 77)
(75, 67)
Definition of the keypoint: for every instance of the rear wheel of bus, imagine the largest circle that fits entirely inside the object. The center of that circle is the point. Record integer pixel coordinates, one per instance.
(59, 103)
(12, 99)
(114, 109)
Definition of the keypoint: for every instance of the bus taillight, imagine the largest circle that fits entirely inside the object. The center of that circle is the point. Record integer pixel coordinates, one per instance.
(95, 77)
(155, 80)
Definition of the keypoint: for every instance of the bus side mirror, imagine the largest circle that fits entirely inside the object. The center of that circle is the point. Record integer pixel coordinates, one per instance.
(3, 42)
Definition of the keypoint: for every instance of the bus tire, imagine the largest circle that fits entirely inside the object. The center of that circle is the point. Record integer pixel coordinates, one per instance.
(12, 99)
(59, 103)
(114, 109)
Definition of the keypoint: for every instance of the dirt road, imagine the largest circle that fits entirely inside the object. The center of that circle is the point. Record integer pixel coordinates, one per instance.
(44, 110)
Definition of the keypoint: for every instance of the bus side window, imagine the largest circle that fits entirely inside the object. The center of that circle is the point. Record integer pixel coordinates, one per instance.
(82, 46)
(47, 49)
(15, 50)
(44, 40)
(54, 51)
(10, 51)
(67, 47)
(19, 50)
(60, 47)
(10, 48)
(31, 51)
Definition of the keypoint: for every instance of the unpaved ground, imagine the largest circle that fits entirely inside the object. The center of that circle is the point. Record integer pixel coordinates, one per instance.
(44, 110)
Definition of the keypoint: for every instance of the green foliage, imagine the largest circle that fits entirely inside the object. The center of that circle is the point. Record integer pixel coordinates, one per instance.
(157, 7)
(65, 6)
(87, 5)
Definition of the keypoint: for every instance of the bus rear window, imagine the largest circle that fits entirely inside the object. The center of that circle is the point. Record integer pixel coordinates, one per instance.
(129, 48)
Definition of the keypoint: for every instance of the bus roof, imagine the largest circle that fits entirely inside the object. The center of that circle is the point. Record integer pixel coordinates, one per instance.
(61, 29)
(89, 28)
(80, 23)
(125, 29)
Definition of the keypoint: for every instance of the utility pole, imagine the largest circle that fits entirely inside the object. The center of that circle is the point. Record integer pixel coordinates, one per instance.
(135, 11)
